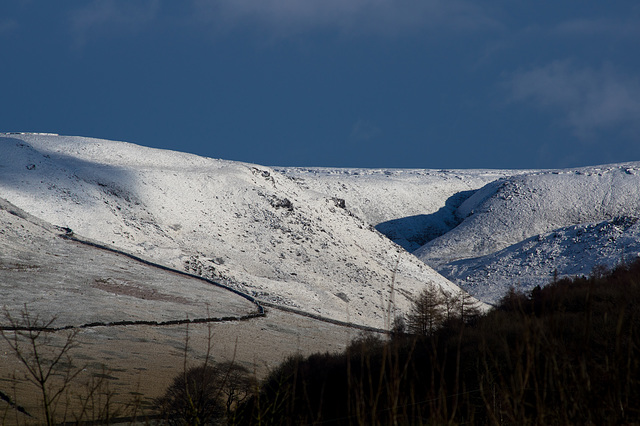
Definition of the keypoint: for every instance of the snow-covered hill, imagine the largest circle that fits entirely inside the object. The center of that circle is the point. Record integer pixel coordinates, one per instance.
(570, 251)
(520, 230)
(249, 226)
(513, 209)
(411, 207)
(80, 284)
(321, 240)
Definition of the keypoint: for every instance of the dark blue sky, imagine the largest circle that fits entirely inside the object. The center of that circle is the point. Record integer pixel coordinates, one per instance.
(362, 83)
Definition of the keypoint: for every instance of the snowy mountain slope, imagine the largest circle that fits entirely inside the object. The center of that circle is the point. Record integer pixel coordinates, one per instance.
(513, 209)
(247, 225)
(305, 237)
(409, 206)
(79, 284)
(568, 251)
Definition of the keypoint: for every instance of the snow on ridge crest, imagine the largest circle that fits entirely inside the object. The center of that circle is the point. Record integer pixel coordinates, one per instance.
(512, 209)
(247, 225)
(306, 237)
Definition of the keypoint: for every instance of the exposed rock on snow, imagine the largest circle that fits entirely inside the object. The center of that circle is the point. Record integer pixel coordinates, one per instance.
(80, 285)
(409, 206)
(249, 226)
(513, 209)
(569, 251)
(312, 238)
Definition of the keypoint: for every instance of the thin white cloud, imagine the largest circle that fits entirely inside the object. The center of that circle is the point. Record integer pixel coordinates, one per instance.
(614, 31)
(347, 16)
(600, 27)
(281, 18)
(588, 99)
(111, 17)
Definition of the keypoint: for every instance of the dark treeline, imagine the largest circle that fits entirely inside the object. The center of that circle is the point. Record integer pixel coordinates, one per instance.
(568, 353)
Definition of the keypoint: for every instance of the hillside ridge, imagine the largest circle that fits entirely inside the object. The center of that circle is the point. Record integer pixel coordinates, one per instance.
(247, 226)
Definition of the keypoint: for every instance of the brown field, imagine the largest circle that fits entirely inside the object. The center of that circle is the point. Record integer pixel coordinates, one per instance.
(138, 362)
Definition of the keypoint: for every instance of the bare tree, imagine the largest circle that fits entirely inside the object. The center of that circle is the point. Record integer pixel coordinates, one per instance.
(205, 393)
(469, 309)
(399, 326)
(48, 366)
(194, 397)
(237, 385)
(427, 312)
(450, 302)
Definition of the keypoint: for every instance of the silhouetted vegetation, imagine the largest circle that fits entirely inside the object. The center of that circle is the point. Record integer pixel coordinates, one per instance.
(193, 397)
(433, 308)
(49, 368)
(205, 393)
(568, 353)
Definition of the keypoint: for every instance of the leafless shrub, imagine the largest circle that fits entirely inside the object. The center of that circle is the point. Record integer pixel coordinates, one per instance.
(48, 367)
